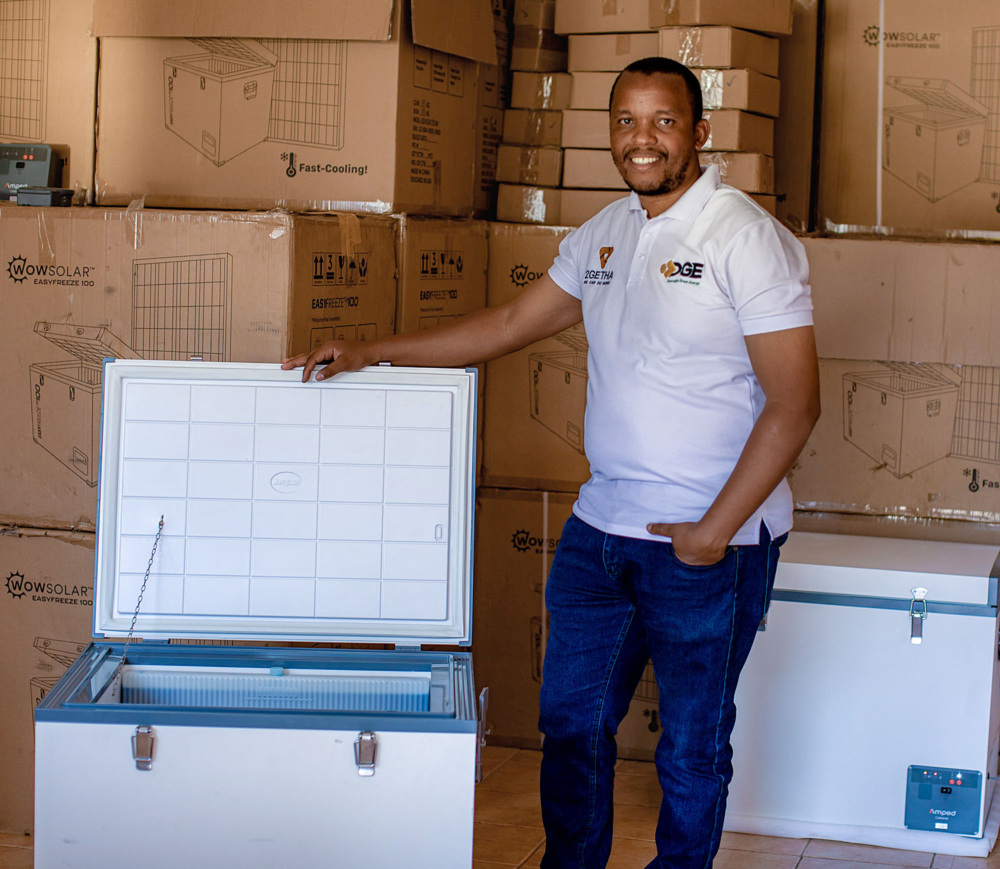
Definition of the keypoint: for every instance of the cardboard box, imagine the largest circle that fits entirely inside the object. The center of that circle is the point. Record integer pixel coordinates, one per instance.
(720, 47)
(623, 16)
(532, 127)
(795, 164)
(522, 164)
(721, 89)
(766, 16)
(535, 46)
(517, 533)
(910, 381)
(46, 609)
(540, 90)
(493, 84)
(591, 168)
(50, 85)
(905, 301)
(302, 123)
(910, 136)
(730, 130)
(752, 173)
(516, 536)
(522, 203)
(609, 52)
(579, 205)
(535, 397)
(85, 283)
(442, 270)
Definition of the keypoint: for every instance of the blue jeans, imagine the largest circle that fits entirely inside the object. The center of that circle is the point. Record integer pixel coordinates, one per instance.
(615, 603)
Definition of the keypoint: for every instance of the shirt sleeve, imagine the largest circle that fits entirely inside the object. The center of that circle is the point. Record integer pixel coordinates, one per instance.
(565, 270)
(765, 271)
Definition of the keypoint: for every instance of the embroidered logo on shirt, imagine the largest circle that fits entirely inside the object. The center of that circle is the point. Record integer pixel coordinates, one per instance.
(606, 255)
(688, 273)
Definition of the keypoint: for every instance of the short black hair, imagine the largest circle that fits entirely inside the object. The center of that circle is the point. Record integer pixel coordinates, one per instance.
(666, 66)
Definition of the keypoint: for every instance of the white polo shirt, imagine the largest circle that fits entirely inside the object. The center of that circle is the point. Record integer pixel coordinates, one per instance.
(671, 394)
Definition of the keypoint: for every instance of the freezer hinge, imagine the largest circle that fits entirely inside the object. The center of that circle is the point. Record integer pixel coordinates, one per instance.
(918, 612)
(365, 752)
(484, 702)
(142, 747)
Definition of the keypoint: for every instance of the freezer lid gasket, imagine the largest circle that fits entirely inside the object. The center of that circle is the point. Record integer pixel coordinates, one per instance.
(337, 512)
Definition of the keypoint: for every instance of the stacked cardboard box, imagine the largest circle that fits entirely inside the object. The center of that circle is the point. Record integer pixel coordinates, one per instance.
(529, 160)
(738, 73)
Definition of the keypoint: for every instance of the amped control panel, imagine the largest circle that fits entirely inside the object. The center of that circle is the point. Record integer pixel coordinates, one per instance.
(28, 166)
(943, 800)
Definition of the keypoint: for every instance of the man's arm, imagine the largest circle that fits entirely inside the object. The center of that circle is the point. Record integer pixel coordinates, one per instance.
(786, 368)
(543, 309)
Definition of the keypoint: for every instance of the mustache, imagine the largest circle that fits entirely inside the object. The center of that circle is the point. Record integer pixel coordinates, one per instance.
(646, 152)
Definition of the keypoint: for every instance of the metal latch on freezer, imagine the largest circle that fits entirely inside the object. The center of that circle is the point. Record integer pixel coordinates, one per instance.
(142, 747)
(365, 752)
(918, 612)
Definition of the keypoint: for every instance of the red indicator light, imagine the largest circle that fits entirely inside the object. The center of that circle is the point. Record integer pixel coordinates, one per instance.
(951, 781)
(31, 156)
(958, 782)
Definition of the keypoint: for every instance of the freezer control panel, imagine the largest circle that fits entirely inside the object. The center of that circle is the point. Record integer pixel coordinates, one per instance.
(943, 800)
(28, 166)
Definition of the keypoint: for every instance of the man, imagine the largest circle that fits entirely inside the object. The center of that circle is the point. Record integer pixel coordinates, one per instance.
(702, 390)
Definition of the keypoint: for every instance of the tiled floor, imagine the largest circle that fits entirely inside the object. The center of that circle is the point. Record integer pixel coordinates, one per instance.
(509, 829)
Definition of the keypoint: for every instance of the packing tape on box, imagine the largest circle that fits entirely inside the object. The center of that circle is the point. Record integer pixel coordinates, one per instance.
(545, 92)
(133, 218)
(692, 51)
(528, 165)
(532, 38)
(623, 44)
(712, 87)
(935, 234)
(533, 204)
(350, 235)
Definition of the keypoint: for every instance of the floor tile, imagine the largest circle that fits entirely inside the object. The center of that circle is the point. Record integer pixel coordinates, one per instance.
(499, 843)
(637, 790)
(495, 757)
(947, 861)
(767, 844)
(726, 859)
(833, 863)
(867, 853)
(636, 822)
(512, 809)
(16, 858)
(527, 755)
(636, 767)
(487, 864)
(519, 778)
(17, 840)
(630, 853)
(535, 860)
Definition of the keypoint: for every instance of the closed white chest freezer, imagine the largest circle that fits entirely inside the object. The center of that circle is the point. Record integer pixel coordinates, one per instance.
(310, 513)
(868, 709)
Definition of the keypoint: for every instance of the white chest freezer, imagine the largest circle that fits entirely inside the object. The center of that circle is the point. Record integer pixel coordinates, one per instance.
(868, 709)
(337, 512)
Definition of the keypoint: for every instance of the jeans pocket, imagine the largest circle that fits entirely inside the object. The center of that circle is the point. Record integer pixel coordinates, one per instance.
(699, 567)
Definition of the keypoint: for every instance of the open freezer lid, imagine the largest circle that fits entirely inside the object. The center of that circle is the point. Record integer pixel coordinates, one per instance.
(938, 93)
(336, 512)
(86, 343)
(248, 51)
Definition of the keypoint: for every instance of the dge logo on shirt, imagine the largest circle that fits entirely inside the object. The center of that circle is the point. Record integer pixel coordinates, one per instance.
(600, 277)
(677, 272)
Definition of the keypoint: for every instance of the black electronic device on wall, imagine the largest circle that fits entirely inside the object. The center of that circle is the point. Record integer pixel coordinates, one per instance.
(28, 166)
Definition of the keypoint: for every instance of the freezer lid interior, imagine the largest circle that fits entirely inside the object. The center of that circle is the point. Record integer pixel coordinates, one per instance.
(337, 511)
(845, 564)
(86, 343)
(940, 94)
(248, 51)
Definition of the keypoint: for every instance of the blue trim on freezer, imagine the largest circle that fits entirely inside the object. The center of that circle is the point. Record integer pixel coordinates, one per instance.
(473, 437)
(883, 603)
(59, 706)
(108, 360)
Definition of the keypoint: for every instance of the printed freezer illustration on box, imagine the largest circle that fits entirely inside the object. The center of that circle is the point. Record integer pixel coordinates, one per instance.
(558, 387)
(236, 93)
(909, 415)
(180, 311)
(945, 138)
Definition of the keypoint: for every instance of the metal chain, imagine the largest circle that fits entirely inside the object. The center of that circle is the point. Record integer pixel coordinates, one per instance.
(135, 615)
